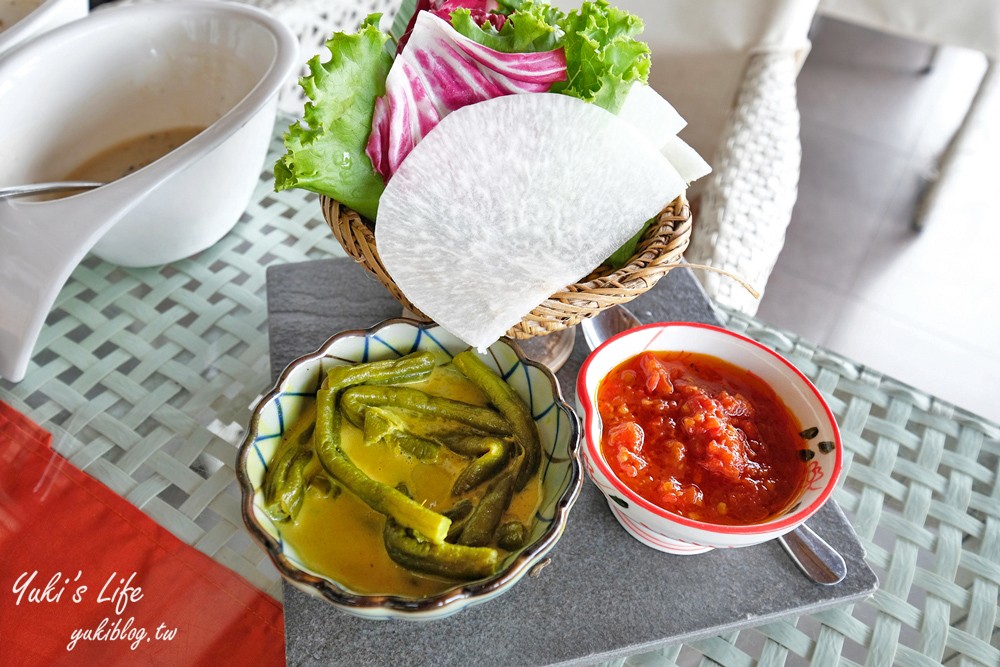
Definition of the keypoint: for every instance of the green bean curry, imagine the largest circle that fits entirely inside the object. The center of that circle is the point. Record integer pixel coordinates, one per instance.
(406, 477)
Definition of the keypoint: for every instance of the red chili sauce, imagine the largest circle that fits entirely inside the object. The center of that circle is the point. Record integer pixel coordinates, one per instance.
(700, 437)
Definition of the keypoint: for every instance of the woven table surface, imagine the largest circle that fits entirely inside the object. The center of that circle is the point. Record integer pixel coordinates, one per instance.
(145, 378)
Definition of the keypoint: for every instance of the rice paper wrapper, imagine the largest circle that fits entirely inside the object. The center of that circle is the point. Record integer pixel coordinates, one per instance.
(510, 200)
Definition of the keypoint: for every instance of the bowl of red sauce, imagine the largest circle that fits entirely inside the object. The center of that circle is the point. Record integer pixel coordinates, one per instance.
(701, 438)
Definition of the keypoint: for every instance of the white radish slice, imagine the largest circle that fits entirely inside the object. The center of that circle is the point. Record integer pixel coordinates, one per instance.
(685, 159)
(658, 121)
(654, 117)
(508, 201)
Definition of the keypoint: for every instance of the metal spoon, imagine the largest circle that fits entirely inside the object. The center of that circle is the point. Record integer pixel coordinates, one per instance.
(810, 552)
(12, 191)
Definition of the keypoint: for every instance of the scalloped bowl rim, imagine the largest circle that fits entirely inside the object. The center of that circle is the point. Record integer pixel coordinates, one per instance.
(394, 606)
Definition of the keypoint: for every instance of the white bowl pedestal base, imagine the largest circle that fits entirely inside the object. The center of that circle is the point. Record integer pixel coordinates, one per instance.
(651, 538)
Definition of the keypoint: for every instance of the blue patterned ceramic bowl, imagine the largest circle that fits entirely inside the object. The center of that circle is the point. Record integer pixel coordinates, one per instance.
(561, 468)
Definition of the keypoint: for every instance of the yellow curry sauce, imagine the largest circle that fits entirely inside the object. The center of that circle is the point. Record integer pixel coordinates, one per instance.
(342, 537)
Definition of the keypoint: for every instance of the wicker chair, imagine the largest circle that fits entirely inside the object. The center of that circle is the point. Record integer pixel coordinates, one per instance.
(747, 201)
(745, 205)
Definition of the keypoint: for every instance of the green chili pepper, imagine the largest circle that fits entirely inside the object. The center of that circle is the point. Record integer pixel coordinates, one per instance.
(458, 514)
(382, 427)
(353, 410)
(480, 526)
(449, 561)
(414, 400)
(466, 444)
(510, 405)
(512, 535)
(410, 368)
(325, 485)
(282, 485)
(291, 492)
(380, 497)
(494, 455)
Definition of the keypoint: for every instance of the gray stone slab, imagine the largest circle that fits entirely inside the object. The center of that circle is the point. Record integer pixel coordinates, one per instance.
(604, 595)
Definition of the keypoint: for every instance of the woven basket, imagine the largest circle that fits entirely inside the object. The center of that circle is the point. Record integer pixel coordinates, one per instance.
(660, 250)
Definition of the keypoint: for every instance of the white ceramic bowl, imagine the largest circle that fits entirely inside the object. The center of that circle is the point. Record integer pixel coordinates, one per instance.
(121, 73)
(20, 20)
(561, 468)
(655, 527)
(127, 71)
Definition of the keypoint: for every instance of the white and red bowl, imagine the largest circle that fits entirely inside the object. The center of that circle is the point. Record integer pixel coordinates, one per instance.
(821, 446)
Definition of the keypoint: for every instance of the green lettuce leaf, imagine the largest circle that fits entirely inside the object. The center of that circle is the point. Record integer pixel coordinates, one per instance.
(532, 28)
(620, 257)
(326, 150)
(603, 58)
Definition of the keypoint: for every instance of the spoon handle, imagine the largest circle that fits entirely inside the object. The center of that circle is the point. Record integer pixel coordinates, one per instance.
(817, 559)
(41, 188)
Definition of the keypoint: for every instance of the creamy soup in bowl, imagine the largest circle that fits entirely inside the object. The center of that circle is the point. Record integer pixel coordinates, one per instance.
(191, 86)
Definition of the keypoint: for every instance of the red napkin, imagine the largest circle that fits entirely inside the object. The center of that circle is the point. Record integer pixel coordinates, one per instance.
(87, 579)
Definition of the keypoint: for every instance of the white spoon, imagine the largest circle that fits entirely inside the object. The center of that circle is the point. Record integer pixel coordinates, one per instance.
(810, 552)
